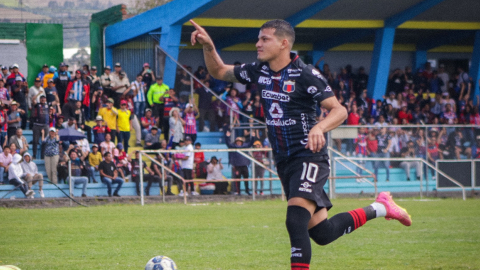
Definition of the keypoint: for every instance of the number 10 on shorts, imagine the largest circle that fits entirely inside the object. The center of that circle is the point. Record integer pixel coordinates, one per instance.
(310, 171)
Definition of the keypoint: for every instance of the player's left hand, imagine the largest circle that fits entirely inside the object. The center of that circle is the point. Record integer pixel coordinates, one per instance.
(316, 139)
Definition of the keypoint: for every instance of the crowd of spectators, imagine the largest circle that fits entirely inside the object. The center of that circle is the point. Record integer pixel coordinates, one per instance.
(165, 117)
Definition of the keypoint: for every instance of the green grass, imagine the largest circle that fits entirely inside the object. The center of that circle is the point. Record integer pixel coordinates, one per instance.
(445, 235)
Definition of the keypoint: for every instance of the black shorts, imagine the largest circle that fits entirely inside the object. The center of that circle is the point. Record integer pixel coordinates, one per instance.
(305, 177)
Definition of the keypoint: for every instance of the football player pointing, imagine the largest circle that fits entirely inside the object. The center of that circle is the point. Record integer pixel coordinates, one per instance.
(290, 92)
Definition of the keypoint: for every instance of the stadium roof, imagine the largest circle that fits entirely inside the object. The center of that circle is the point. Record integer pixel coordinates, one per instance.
(229, 19)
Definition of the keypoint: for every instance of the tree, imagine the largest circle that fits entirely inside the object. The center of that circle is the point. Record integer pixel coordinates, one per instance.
(144, 5)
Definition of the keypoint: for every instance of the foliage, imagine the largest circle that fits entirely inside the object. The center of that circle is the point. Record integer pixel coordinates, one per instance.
(144, 5)
(249, 235)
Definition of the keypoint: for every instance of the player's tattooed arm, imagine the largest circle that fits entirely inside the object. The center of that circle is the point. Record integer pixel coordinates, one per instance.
(229, 75)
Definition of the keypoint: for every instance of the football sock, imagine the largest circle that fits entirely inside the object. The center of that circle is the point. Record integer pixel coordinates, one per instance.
(379, 208)
(331, 229)
(297, 227)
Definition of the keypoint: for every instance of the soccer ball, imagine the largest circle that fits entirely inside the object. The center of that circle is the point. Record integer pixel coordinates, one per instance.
(161, 263)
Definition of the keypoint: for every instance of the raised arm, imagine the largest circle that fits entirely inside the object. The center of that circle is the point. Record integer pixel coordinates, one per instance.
(214, 63)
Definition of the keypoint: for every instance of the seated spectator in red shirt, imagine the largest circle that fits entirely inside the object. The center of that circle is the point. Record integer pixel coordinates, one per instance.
(147, 123)
(353, 116)
(99, 131)
(404, 114)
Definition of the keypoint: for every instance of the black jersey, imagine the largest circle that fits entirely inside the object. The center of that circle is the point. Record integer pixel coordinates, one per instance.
(289, 99)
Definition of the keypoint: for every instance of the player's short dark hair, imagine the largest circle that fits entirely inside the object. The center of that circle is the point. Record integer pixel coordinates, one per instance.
(282, 29)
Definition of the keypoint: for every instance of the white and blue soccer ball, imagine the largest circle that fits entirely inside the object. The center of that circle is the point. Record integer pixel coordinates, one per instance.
(161, 263)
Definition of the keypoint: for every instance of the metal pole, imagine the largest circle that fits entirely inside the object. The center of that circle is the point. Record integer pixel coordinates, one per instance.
(70, 185)
(270, 173)
(191, 87)
(163, 179)
(423, 165)
(140, 163)
(421, 181)
(253, 182)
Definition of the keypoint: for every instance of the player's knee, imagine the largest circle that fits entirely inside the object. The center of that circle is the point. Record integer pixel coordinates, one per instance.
(297, 218)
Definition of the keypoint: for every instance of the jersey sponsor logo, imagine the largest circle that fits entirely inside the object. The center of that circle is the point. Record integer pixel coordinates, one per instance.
(289, 86)
(328, 89)
(294, 70)
(304, 128)
(305, 187)
(312, 89)
(276, 111)
(244, 75)
(264, 80)
(275, 96)
(277, 77)
(281, 123)
(264, 67)
(318, 74)
(294, 75)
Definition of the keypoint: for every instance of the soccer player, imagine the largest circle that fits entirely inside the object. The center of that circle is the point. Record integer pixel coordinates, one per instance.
(290, 92)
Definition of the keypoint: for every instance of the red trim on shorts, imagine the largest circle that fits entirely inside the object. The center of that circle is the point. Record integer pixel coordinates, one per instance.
(300, 266)
(359, 217)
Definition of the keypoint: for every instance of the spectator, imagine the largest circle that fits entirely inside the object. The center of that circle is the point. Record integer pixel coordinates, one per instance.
(448, 116)
(94, 159)
(41, 122)
(433, 151)
(4, 93)
(155, 97)
(183, 86)
(34, 93)
(360, 144)
(139, 88)
(187, 166)
(124, 123)
(70, 124)
(31, 174)
(43, 72)
(198, 157)
(15, 174)
(170, 100)
(59, 122)
(77, 89)
(205, 107)
(80, 119)
(476, 148)
(235, 104)
(384, 142)
(5, 161)
(76, 168)
(107, 145)
(260, 156)
(147, 76)
(214, 174)
(239, 162)
(444, 77)
(221, 116)
(15, 76)
(51, 154)
(158, 173)
(147, 123)
(120, 159)
(152, 140)
(20, 141)
(106, 81)
(62, 167)
(61, 80)
(404, 115)
(410, 152)
(69, 108)
(19, 93)
(109, 115)
(120, 87)
(109, 175)
(150, 177)
(99, 131)
(456, 145)
(191, 111)
(52, 94)
(176, 127)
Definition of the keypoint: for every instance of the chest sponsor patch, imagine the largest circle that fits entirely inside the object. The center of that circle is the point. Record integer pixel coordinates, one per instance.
(289, 86)
(264, 80)
(275, 96)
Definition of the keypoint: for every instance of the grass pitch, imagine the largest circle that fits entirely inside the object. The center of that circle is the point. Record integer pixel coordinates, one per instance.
(445, 234)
